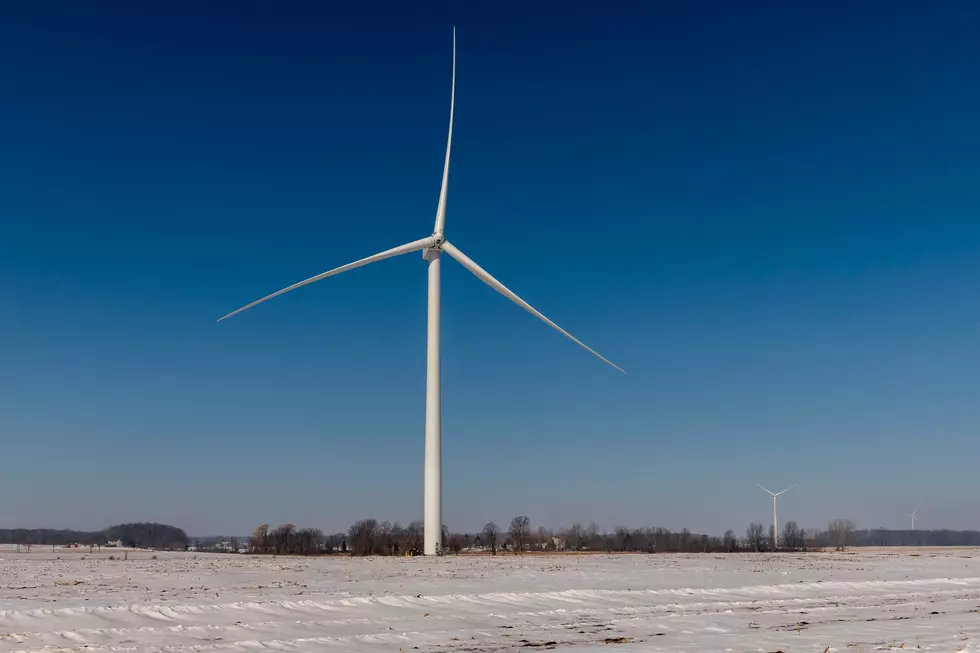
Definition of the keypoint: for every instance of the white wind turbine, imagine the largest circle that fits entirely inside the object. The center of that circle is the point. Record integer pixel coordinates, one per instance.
(775, 528)
(913, 518)
(432, 248)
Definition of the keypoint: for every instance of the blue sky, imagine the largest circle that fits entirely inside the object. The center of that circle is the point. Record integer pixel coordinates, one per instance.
(766, 213)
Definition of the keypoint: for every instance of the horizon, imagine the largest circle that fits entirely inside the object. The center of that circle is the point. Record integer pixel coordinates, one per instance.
(605, 530)
(766, 215)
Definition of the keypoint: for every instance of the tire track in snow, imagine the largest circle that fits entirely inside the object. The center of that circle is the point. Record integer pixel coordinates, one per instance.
(175, 612)
(622, 607)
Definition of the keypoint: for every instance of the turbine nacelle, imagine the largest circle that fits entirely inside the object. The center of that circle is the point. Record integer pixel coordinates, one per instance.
(435, 248)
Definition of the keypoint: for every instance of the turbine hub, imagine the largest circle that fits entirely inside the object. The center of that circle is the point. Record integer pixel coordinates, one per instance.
(433, 252)
(435, 248)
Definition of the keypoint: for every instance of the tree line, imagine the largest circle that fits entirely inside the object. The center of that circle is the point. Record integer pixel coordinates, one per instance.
(384, 538)
(288, 540)
(141, 535)
(839, 534)
(373, 537)
(943, 537)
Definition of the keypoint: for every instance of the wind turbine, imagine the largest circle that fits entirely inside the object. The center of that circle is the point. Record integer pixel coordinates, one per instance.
(775, 529)
(913, 518)
(432, 248)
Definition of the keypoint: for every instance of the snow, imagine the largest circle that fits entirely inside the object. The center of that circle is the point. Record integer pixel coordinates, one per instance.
(862, 601)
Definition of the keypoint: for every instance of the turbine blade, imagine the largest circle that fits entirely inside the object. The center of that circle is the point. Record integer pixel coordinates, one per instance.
(765, 489)
(407, 248)
(786, 490)
(484, 276)
(441, 209)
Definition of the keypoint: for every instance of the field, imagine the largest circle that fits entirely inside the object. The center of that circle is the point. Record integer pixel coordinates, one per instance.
(864, 601)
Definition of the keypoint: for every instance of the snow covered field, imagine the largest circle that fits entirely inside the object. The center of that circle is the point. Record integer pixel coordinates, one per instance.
(865, 601)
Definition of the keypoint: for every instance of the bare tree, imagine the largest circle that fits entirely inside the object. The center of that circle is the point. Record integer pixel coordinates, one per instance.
(646, 539)
(574, 539)
(730, 542)
(754, 536)
(386, 543)
(520, 531)
(397, 539)
(308, 541)
(812, 539)
(591, 535)
(792, 536)
(544, 539)
(685, 540)
(840, 531)
(361, 537)
(490, 533)
(336, 543)
(259, 543)
(455, 542)
(623, 539)
(283, 539)
(413, 538)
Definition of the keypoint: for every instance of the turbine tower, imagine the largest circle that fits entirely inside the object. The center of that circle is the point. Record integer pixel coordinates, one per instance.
(432, 248)
(775, 528)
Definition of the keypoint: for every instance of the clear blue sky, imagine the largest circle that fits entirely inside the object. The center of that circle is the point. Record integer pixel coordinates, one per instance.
(766, 212)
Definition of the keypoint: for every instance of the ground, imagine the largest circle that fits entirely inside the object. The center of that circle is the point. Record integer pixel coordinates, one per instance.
(141, 601)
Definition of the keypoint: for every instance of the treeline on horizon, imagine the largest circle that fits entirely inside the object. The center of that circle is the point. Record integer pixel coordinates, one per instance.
(371, 537)
(140, 535)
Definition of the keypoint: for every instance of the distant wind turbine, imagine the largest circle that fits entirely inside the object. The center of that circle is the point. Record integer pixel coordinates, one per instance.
(432, 248)
(913, 518)
(775, 527)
